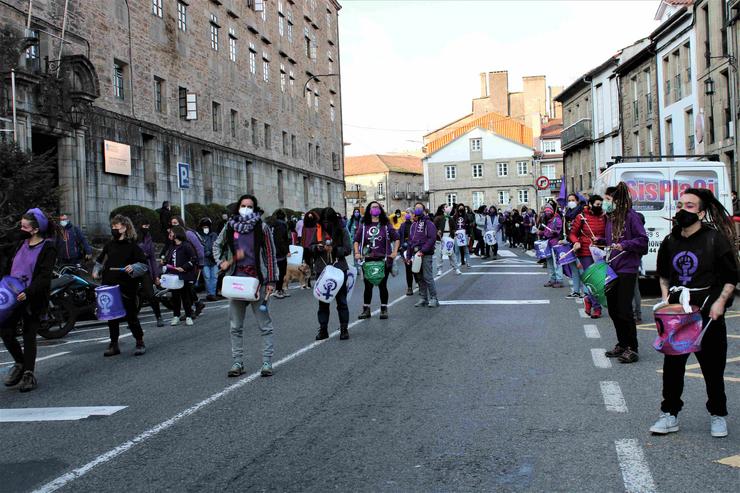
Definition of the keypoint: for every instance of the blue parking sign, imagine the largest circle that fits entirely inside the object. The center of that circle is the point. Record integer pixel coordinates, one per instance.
(183, 175)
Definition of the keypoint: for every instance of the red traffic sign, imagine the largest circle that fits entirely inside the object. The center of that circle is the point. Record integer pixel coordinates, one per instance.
(543, 183)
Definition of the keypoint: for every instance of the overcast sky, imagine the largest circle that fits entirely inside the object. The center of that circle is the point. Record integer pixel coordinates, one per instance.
(411, 66)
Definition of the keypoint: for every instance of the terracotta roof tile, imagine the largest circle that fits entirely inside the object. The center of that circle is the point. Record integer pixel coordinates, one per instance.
(382, 163)
(495, 122)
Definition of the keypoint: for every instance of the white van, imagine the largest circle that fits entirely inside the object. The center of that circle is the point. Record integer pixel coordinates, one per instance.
(656, 186)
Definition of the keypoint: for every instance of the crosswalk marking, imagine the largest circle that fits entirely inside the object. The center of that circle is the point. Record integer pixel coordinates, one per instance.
(495, 302)
(613, 398)
(35, 414)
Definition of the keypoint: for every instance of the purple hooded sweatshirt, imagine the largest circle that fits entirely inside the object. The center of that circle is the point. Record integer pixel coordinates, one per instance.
(553, 231)
(634, 242)
(423, 236)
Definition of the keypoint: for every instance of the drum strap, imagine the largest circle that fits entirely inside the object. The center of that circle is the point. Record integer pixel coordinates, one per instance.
(686, 294)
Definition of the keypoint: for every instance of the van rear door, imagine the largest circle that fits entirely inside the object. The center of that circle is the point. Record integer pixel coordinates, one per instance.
(650, 188)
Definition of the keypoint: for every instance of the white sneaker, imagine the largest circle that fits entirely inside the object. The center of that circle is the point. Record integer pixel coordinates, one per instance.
(439, 272)
(666, 424)
(175, 321)
(188, 321)
(458, 271)
(719, 427)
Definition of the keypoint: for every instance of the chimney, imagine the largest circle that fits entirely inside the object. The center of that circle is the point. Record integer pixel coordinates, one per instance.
(483, 85)
(498, 87)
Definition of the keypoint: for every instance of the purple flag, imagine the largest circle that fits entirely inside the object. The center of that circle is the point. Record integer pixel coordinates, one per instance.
(563, 197)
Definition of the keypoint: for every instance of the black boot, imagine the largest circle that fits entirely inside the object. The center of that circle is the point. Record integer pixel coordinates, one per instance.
(343, 333)
(365, 313)
(383, 312)
(322, 334)
(112, 350)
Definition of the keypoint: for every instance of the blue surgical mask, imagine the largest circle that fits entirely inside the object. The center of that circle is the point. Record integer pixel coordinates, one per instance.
(608, 206)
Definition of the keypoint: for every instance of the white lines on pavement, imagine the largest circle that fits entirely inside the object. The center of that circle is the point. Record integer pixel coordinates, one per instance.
(635, 471)
(613, 398)
(514, 266)
(530, 253)
(506, 253)
(36, 414)
(55, 355)
(495, 302)
(67, 478)
(509, 260)
(592, 332)
(503, 273)
(582, 313)
(600, 359)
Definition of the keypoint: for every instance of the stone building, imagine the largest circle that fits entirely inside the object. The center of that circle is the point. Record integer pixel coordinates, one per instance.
(236, 89)
(395, 181)
(480, 167)
(549, 158)
(577, 135)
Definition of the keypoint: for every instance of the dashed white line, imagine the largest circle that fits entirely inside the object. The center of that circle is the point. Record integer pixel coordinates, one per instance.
(613, 398)
(592, 332)
(495, 302)
(503, 273)
(600, 359)
(635, 471)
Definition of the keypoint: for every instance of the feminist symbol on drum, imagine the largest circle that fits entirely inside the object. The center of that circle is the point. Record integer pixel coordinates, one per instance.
(329, 286)
(5, 298)
(350, 281)
(105, 302)
(686, 263)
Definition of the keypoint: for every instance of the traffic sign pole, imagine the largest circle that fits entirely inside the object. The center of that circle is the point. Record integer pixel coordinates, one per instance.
(183, 181)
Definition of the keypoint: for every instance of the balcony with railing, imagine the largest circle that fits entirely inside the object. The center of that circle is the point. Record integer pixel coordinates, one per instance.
(577, 133)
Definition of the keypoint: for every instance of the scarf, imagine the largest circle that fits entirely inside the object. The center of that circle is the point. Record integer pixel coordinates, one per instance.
(244, 224)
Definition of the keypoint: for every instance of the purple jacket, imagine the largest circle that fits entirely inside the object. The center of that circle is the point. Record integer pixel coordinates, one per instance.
(422, 237)
(147, 246)
(553, 231)
(634, 242)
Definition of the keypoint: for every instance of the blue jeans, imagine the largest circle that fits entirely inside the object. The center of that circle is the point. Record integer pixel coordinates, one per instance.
(576, 269)
(461, 254)
(554, 269)
(210, 275)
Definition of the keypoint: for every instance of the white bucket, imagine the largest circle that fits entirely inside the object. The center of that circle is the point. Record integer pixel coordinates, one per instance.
(416, 264)
(461, 238)
(241, 288)
(171, 281)
(351, 281)
(489, 238)
(296, 255)
(448, 246)
(328, 284)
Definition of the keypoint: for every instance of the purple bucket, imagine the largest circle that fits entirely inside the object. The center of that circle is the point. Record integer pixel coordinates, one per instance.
(564, 254)
(610, 276)
(542, 249)
(109, 303)
(10, 288)
(678, 332)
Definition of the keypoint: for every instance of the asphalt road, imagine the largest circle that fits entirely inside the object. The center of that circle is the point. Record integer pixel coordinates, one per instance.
(465, 397)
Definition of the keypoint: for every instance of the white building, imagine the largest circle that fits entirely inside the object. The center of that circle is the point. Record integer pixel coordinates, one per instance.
(675, 43)
(478, 168)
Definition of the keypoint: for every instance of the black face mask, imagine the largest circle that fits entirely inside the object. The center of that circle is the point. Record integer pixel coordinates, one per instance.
(23, 235)
(597, 210)
(310, 221)
(686, 219)
(115, 234)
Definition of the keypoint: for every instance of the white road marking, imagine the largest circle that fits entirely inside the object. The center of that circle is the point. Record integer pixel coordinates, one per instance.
(514, 266)
(592, 332)
(613, 398)
(582, 313)
(495, 302)
(509, 260)
(600, 359)
(36, 414)
(67, 478)
(635, 471)
(55, 355)
(503, 273)
(579, 301)
(506, 253)
(530, 253)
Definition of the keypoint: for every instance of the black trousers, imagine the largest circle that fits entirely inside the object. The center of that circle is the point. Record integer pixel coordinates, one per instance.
(147, 290)
(479, 244)
(25, 356)
(132, 318)
(182, 297)
(619, 299)
(342, 310)
(383, 286)
(712, 359)
(409, 275)
(282, 269)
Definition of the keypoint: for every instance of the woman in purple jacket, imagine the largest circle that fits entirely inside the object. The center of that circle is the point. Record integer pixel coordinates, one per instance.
(182, 260)
(551, 229)
(154, 269)
(628, 242)
(422, 239)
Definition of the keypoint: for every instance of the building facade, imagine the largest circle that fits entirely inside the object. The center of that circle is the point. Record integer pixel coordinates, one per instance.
(549, 158)
(227, 87)
(577, 136)
(478, 168)
(395, 181)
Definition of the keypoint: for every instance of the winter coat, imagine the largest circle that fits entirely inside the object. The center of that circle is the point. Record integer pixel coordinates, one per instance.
(586, 229)
(634, 243)
(264, 250)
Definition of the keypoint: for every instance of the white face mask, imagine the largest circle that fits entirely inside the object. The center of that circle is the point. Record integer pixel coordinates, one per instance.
(572, 205)
(206, 231)
(245, 211)
(63, 223)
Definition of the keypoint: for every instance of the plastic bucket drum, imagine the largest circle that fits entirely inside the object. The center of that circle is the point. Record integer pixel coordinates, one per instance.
(598, 277)
(351, 281)
(489, 238)
(564, 254)
(109, 303)
(542, 249)
(10, 288)
(241, 288)
(171, 281)
(678, 332)
(416, 264)
(448, 246)
(328, 284)
(296, 255)
(461, 238)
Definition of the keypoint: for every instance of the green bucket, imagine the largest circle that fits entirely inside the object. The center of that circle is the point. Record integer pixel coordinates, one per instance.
(597, 278)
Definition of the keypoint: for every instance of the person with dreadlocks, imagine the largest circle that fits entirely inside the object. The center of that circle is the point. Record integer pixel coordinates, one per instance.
(699, 259)
(627, 241)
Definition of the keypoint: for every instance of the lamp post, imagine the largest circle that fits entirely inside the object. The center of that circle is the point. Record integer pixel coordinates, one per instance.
(709, 91)
(316, 78)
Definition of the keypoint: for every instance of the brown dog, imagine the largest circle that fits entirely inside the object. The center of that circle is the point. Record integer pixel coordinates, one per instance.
(300, 273)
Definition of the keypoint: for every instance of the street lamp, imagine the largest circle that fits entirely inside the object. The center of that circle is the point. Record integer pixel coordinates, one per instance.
(709, 86)
(316, 78)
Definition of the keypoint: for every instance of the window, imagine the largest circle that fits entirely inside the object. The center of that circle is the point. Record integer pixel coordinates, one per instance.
(335, 161)
(157, 8)
(548, 170)
(291, 79)
(648, 94)
(475, 145)
(636, 140)
(232, 44)
(690, 130)
(255, 138)
(293, 146)
(289, 18)
(332, 111)
(649, 143)
(450, 172)
(252, 59)
(285, 143)
(478, 199)
(635, 102)
(451, 199)
(503, 169)
(523, 196)
(268, 136)
(158, 89)
(316, 101)
(306, 42)
(381, 189)
(214, 32)
(330, 58)
(182, 96)
(33, 55)
(182, 16)
(478, 170)
(234, 119)
(725, 88)
(118, 81)
(503, 197)
(669, 136)
(310, 153)
(305, 191)
(283, 78)
(550, 146)
(264, 11)
(281, 24)
(522, 168)
(216, 114)
(265, 67)
(281, 196)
